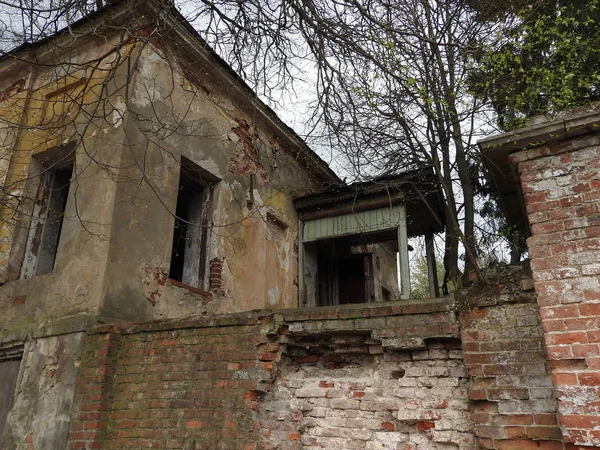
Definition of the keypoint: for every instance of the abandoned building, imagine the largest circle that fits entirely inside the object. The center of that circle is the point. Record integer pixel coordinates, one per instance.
(181, 271)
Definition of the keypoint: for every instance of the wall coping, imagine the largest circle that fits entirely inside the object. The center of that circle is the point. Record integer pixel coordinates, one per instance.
(266, 316)
(544, 132)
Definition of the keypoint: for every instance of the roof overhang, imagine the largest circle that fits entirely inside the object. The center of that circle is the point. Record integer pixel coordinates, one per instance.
(496, 151)
(418, 190)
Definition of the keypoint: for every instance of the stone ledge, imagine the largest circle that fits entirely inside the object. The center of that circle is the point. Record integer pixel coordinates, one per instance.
(367, 310)
(421, 319)
(68, 325)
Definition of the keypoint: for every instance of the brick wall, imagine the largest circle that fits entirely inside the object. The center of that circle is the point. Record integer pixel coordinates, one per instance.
(346, 392)
(561, 186)
(208, 383)
(171, 386)
(511, 390)
(380, 376)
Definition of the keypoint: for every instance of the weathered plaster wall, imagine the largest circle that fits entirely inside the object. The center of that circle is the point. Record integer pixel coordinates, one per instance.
(40, 416)
(561, 186)
(253, 180)
(119, 215)
(76, 284)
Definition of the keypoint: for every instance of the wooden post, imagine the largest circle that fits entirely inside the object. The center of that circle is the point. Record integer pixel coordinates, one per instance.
(301, 293)
(403, 249)
(434, 289)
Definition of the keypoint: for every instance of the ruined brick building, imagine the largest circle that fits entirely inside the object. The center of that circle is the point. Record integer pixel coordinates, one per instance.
(179, 269)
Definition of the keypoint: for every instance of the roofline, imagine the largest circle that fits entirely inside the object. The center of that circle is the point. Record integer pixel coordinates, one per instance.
(242, 87)
(544, 132)
(181, 26)
(110, 5)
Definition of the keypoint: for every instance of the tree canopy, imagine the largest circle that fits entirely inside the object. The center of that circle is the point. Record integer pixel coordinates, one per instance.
(548, 60)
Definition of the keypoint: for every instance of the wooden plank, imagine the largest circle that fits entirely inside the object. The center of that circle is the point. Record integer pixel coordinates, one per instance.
(348, 224)
(53, 221)
(193, 241)
(353, 208)
(36, 227)
(434, 289)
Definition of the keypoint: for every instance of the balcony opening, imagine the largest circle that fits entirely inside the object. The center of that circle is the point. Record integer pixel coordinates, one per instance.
(349, 270)
(354, 240)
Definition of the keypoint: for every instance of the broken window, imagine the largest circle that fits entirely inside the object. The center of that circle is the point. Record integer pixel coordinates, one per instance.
(10, 360)
(192, 221)
(55, 170)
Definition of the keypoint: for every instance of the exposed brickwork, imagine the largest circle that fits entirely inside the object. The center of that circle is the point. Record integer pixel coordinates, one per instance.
(504, 352)
(561, 186)
(205, 384)
(216, 275)
(370, 398)
(91, 408)
(386, 376)
(173, 387)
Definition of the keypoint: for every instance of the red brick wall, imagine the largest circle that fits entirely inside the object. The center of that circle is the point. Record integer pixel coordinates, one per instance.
(91, 407)
(206, 384)
(390, 376)
(503, 346)
(181, 388)
(561, 186)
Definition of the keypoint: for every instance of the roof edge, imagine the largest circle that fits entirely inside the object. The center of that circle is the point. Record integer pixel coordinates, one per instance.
(544, 132)
(496, 152)
(165, 11)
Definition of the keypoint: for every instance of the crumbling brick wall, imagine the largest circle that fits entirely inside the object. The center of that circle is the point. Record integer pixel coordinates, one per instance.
(561, 186)
(166, 385)
(216, 383)
(346, 392)
(378, 376)
(504, 352)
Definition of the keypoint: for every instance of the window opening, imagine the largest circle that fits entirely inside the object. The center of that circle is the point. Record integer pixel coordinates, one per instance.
(47, 219)
(190, 234)
(354, 279)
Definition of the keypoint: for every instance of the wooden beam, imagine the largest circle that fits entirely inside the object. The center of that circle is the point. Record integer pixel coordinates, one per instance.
(434, 289)
(349, 207)
(403, 248)
(301, 293)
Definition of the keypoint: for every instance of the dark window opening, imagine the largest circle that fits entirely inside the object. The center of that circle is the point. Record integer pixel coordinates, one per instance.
(354, 279)
(47, 219)
(190, 234)
(350, 269)
(10, 361)
(343, 275)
